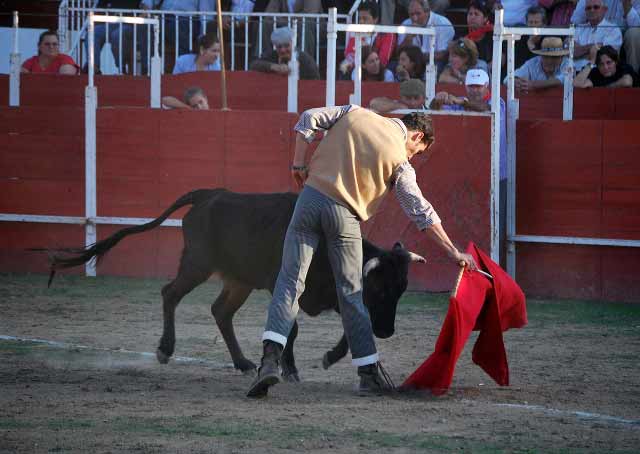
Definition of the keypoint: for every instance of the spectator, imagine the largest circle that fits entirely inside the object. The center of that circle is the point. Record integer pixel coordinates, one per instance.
(372, 68)
(597, 31)
(306, 36)
(463, 56)
(49, 59)
(183, 25)
(193, 98)
(420, 15)
(524, 47)
(480, 28)
(411, 64)
(412, 96)
(560, 11)
(605, 70)
(515, 10)
(626, 15)
(206, 56)
(478, 99)
(278, 60)
(382, 43)
(100, 35)
(546, 70)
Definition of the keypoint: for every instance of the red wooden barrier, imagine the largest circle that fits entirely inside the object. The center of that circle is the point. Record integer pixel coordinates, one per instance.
(579, 178)
(249, 90)
(147, 158)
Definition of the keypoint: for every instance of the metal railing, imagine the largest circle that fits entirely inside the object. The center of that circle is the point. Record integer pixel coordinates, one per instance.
(248, 32)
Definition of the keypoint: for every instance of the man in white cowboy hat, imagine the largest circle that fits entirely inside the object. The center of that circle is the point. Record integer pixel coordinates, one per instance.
(596, 32)
(277, 61)
(546, 69)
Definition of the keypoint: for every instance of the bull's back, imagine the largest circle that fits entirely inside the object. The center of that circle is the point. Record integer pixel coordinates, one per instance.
(240, 235)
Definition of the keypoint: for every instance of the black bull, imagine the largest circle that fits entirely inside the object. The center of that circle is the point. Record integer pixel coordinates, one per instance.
(240, 237)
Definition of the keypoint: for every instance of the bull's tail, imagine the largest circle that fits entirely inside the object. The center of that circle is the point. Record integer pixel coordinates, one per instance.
(70, 257)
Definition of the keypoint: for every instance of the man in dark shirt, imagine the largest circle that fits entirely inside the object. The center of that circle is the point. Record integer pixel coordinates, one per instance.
(277, 61)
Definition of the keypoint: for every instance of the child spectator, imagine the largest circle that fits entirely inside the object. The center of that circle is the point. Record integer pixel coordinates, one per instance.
(205, 57)
(463, 56)
(193, 98)
(372, 68)
(382, 43)
(411, 64)
(49, 59)
(605, 70)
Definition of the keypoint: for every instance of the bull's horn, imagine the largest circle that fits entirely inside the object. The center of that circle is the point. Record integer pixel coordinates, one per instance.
(370, 265)
(413, 257)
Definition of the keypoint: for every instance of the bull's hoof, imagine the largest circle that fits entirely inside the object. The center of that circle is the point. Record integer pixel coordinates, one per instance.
(325, 361)
(291, 378)
(163, 358)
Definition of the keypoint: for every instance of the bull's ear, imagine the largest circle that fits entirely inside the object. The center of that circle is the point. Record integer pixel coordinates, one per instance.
(370, 265)
(398, 245)
(413, 257)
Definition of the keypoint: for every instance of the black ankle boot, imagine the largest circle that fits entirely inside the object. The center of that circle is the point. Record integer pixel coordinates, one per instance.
(269, 371)
(371, 382)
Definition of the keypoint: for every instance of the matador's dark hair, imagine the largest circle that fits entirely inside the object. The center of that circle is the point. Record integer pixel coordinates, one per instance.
(419, 121)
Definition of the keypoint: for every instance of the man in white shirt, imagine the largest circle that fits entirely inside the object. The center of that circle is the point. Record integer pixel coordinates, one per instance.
(597, 31)
(420, 15)
(546, 70)
(625, 14)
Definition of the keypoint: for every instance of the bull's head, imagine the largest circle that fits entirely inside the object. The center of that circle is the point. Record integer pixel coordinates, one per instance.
(385, 280)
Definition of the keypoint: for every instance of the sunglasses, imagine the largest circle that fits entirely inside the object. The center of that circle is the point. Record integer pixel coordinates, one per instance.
(593, 7)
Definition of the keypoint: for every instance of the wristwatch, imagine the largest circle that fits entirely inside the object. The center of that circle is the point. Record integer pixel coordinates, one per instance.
(299, 168)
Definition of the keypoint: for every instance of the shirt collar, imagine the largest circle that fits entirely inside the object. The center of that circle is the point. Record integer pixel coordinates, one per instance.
(401, 125)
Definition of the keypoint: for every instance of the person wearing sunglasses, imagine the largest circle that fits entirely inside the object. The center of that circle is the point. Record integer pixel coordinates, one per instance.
(277, 61)
(49, 59)
(626, 15)
(596, 31)
(345, 181)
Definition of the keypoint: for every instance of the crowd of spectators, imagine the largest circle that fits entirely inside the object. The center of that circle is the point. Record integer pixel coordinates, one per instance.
(610, 26)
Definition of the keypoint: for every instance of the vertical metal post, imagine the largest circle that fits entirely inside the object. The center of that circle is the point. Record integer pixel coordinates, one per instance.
(496, 65)
(292, 91)
(14, 59)
(155, 67)
(223, 72)
(357, 80)
(567, 101)
(332, 36)
(513, 108)
(63, 26)
(430, 88)
(90, 106)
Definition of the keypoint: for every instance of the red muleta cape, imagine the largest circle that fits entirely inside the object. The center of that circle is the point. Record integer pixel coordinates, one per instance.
(490, 306)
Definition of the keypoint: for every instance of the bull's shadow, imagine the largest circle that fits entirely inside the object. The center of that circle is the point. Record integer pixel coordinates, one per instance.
(240, 237)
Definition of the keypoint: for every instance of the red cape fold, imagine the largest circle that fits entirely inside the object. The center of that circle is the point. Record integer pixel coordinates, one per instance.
(481, 304)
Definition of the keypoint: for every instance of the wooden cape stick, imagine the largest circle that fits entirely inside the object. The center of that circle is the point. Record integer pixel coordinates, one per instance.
(221, 37)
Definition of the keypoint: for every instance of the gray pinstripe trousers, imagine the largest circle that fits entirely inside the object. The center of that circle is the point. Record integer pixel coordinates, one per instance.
(316, 214)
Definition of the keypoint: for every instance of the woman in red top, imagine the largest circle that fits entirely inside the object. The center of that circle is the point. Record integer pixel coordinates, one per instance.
(49, 59)
(382, 43)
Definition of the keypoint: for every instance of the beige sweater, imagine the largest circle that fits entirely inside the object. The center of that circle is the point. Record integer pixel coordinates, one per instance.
(355, 161)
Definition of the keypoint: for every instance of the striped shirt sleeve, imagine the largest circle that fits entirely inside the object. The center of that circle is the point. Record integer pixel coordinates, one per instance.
(410, 197)
(321, 119)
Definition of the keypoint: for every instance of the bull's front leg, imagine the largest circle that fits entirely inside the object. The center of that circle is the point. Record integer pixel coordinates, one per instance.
(233, 295)
(289, 369)
(336, 353)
